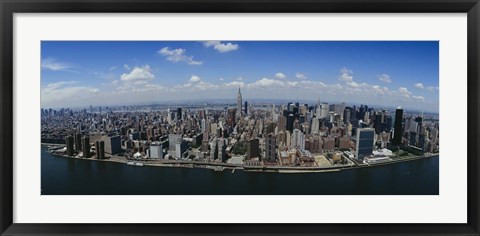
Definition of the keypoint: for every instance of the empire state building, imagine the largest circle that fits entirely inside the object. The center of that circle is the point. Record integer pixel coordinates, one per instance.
(239, 103)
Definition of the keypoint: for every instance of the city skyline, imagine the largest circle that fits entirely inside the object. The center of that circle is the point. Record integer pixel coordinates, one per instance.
(289, 138)
(83, 73)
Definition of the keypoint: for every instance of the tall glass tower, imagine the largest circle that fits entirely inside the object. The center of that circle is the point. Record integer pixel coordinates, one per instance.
(239, 103)
(397, 135)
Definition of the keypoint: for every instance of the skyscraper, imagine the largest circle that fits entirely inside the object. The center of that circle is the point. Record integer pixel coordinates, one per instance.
(422, 142)
(346, 115)
(365, 142)
(324, 112)
(270, 148)
(86, 146)
(204, 125)
(398, 132)
(213, 149)
(253, 148)
(100, 149)
(290, 120)
(180, 149)
(413, 139)
(298, 139)
(78, 142)
(378, 123)
(246, 108)
(222, 148)
(239, 103)
(281, 122)
(112, 144)
(231, 113)
(281, 138)
(179, 113)
(69, 143)
(315, 125)
(419, 121)
(388, 123)
(173, 139)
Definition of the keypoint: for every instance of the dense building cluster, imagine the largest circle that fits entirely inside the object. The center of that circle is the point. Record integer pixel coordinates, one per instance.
(250, 133)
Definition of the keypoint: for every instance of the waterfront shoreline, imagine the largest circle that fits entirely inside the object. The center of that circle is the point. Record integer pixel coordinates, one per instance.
(219, 166)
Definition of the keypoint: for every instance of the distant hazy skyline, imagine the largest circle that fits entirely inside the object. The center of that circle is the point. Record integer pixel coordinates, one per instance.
(387, 73)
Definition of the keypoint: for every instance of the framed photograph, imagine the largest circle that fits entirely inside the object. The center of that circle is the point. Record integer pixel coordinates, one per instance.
(215, 117)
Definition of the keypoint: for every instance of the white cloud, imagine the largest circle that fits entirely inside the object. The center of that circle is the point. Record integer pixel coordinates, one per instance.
(355, 91)
(62, 92)
(138, 80)
(56, 85)
(324, 85)
(211, 43)
(113, 67)
(308, 84)
(337, 86)
(194, 79)
(346, 75)
(178, 55)
(185, 85)
(196, 83)
(292, 83)
(221, 47)
(353, 84)
(308, 89)
(377, 89)
(419, 85)
(404, 92)
(137, 87)
(419, 98)
(236, 84)
(266, 82)
(138, 83)
(226, 47)
(138, 75)
(205, 85)
(54, 65)
(107, 76)
(280, 75)
(146, 87)
(196, 87)
(94, 90)
(127, 67)
(385, 78)
(300, 75)
(432, 88)
(304, 84)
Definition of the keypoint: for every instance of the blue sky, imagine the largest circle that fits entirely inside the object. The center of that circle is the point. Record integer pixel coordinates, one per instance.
(386, 73)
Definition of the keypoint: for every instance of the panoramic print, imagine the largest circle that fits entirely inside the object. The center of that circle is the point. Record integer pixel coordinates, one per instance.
(239, 117)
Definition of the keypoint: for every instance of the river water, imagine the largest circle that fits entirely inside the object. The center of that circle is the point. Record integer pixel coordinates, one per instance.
(65, 176)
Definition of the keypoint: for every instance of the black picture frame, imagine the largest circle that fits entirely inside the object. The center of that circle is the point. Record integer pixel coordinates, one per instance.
(9, 7)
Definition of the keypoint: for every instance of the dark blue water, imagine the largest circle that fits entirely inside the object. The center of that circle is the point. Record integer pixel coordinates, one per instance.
(65, 176)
